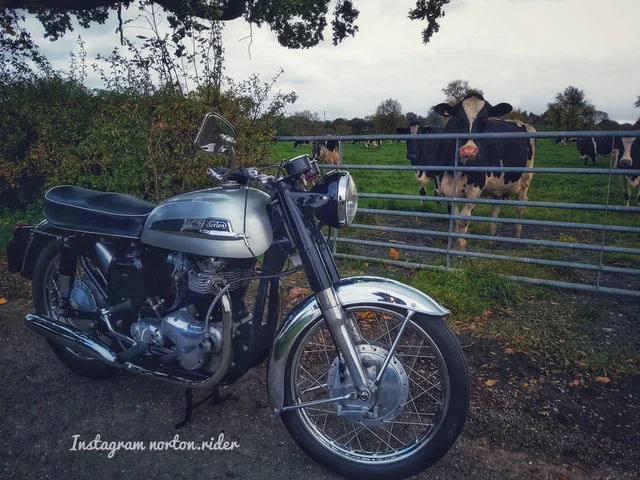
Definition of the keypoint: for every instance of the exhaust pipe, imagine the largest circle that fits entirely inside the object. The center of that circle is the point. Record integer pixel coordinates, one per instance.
(70, 337)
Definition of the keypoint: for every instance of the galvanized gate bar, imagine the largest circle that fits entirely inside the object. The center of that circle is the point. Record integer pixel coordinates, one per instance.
(453, 136)
(513, 203)
(491, 256)
(523, 221)
(517, 241)
(411, 168)
(535, 281)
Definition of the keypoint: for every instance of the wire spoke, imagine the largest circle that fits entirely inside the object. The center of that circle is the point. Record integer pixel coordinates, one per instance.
(389, 431)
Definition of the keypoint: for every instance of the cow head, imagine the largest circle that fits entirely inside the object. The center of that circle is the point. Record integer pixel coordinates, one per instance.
(470, 115)
(414, 146)
(627, 154)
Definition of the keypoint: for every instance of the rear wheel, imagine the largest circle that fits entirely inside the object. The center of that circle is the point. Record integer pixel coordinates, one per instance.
(411, 421)
(47, 301)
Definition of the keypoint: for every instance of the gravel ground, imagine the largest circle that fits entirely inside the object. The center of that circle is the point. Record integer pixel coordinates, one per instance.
(546, 431)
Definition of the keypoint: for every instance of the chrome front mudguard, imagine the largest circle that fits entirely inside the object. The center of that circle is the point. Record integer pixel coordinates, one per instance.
(352, 292)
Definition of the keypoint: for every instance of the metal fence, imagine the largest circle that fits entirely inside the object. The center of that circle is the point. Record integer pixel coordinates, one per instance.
(622, 278)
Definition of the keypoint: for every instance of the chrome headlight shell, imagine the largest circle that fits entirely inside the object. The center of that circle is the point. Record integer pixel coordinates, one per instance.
(347, 199)
(343, 204)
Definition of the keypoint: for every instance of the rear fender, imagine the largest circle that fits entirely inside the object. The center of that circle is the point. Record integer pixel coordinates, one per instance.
(354, 291)
(29, 242)
(17, 248)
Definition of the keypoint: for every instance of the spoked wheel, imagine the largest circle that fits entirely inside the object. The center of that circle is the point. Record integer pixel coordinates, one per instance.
(412, 419)
(47, 301)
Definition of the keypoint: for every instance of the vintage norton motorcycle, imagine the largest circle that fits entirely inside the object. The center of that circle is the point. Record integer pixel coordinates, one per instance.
(364, 372)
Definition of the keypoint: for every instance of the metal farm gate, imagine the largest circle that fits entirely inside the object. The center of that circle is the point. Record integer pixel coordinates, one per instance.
(598, 255)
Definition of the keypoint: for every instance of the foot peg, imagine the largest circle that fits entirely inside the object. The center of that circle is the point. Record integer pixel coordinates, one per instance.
(132, 353)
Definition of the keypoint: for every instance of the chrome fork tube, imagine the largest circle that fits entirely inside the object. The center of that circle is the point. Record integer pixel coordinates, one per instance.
(337, 323)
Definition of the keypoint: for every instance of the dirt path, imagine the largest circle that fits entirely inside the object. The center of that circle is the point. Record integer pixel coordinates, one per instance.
(545, 430)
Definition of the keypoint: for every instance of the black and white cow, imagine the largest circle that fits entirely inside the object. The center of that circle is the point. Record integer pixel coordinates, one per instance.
(419, 152)
(590, 148)
(326, 151)
(630, 160)
(562, 141)
(373, 144)
(300, 142)
(473, 114)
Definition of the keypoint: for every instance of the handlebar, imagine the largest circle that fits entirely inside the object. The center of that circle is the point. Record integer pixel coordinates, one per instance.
(239, 175)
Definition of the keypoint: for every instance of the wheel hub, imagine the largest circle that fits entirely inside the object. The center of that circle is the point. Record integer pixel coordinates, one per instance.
(387, 401)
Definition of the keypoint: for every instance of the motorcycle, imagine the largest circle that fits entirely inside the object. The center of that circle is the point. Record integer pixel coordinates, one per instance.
(364, 372)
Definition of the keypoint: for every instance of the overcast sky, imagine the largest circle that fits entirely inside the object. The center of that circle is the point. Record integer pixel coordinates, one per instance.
(517, 51)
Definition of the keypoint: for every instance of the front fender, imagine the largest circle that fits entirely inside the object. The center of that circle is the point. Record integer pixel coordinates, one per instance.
(352, 292)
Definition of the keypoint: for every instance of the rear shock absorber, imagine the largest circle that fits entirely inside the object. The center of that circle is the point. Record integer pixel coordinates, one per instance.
(67, 269)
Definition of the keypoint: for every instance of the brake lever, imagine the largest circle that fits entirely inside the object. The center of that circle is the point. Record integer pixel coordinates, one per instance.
(214, 175)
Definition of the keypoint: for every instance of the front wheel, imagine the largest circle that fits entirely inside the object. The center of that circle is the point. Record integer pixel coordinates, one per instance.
(412, 419)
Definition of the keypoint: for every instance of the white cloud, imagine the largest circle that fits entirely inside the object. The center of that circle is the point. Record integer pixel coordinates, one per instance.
(519, 51)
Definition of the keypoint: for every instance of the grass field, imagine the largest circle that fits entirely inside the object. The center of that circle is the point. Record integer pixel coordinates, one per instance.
(556, 188)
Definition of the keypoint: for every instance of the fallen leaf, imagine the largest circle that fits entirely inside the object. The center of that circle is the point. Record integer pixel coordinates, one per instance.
(296, 292)
(366, 264)
(508, 351)
(525, 384)
(394, 254)
(490, 383)
(484, 365)
(563, 477)
(575, 383)
(554, 303)
(3, 261)
(3, 301)
(603, 379)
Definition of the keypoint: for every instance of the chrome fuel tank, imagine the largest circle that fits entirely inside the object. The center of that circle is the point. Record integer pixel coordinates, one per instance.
(211, 223)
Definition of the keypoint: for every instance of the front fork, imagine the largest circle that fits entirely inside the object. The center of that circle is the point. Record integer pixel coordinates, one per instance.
(322, 275)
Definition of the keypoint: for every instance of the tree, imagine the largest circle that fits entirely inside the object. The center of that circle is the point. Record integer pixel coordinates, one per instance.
(571, 111)
(297, 24)
(517, 114)
(388, 116)
(360, 126)
(456, 90)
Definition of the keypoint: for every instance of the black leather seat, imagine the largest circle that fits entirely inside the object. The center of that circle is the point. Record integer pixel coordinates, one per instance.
(84, 210)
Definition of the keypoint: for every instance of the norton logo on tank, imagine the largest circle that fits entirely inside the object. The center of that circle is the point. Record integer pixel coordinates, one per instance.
(206, 225)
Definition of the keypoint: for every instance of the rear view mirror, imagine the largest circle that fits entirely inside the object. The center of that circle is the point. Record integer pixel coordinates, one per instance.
(216, 134)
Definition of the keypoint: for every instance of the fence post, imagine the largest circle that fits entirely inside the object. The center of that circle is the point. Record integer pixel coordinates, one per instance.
(453, 205)
(604, 226)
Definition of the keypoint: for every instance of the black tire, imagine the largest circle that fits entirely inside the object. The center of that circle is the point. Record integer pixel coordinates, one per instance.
(83, 366)
(415, 457)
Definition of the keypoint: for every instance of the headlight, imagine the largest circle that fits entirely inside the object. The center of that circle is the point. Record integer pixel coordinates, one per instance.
(347, 199)
(342, 208)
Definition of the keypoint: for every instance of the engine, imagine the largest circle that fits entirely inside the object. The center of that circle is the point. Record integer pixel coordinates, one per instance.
(183, 332)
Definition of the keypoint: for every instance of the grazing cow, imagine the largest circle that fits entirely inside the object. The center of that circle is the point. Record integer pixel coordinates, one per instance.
(326, 151)
(419, 152)
(473, 114)
(590, 148)
(562, 141)
(630, 159)
(300, 142)
(373, 144)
